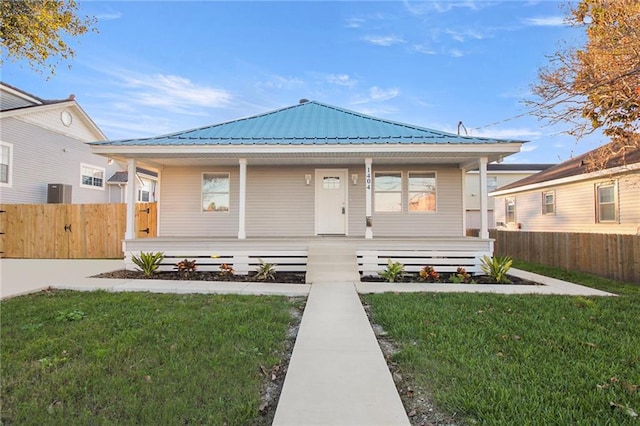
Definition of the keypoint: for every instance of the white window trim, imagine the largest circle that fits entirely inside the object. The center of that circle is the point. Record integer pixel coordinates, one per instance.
(9, 182)
(104, 177)
(202, 193)
(614, 184)
(375, 208)
(544, 203)
(435, 176)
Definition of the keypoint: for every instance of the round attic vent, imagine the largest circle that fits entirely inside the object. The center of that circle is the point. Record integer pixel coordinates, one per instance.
(303, 101)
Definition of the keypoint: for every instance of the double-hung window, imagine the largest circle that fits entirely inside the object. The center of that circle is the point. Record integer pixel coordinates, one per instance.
(606, 202)
(215, 192)
(91, 176)
(388, 191)
(510, 213)
(6, 154)
(549, 203)
(422, 192)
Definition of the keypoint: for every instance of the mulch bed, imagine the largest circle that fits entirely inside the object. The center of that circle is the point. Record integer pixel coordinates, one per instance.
(280, 277)
(444, 279)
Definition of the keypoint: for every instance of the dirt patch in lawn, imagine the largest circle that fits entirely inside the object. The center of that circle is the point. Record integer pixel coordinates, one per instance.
(280, 277)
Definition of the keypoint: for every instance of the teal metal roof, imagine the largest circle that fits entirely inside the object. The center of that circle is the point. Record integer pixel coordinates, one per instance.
(307, 123)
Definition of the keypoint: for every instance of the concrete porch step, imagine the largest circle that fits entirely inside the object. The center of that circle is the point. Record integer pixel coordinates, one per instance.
(332, 262)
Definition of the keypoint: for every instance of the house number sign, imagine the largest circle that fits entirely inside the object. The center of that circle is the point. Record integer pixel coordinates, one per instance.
(368, 177)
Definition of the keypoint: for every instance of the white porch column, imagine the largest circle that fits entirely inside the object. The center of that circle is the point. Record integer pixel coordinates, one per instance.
(368, 180)
(243, 198)
(484, 201)
(130, 199)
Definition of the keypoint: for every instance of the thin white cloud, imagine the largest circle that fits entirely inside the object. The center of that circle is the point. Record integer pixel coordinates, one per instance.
(463, 36)
(280, 82)
(423, 48)
(376, 94)
(172, 92)
(456, 53)
(514, 133)
(388, 40)
(545, 21)
(108, 16)
(354, 23)
(424, 7)
(341, 80)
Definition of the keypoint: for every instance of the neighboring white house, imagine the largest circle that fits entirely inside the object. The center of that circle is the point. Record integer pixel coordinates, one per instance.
(146, 184)
(43, 142)
(570, 198)
(498, 175)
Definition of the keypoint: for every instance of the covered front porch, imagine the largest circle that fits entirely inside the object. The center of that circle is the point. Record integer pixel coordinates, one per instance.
(445, 254)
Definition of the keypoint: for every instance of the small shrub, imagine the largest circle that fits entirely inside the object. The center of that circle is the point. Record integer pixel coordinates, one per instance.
(393, 272)
(429, 274)
(148, 263)
(265, 271)
(226, 271)
(461, 276)
(497, 267)
(186, 266)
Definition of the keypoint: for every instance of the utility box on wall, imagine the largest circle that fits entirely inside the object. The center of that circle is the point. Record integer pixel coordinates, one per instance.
(58, 193)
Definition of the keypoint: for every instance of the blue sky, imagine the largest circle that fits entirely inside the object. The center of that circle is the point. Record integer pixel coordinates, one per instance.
(161, 66)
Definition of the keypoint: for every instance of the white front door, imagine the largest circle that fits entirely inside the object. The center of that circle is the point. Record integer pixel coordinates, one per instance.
(331, 201)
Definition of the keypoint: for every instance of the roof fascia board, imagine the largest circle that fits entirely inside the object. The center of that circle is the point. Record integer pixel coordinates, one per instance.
(58, 105)
(21, 94)
(508, 172)
(507, 148)
(570, 179)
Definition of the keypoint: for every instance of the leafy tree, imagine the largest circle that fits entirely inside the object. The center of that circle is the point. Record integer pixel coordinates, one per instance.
(35, 30)
(596, 86)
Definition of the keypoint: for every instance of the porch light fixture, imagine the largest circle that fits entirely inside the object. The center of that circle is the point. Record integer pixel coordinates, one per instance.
(354, 179)
(307, 179)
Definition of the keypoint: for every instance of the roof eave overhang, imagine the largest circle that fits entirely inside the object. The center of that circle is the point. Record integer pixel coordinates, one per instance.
(570, 179)
(181, 151)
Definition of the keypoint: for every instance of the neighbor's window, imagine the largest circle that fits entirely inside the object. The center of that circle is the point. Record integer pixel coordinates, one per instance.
(144, 191)
(422, 192)
(606, 202)
(388, 191)
(91, 176)
(5, 163)
(510, 213)
(549, 203)
(215, 192)
(492, 183)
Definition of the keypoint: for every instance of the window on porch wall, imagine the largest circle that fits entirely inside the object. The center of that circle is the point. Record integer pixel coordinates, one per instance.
(422, 192)
(388, 192)
(215, 192)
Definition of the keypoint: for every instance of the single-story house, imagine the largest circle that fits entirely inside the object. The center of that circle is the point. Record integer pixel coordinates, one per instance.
(572, 197)
(308, 171)
(44, 154)
(498, 175)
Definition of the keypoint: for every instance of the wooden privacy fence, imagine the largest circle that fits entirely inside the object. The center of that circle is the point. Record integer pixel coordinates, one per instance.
(609, 255)
(69, 231)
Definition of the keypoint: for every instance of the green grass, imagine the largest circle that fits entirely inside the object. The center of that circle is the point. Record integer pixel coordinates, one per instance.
(505, 360)
(138, 358)
(589, 280)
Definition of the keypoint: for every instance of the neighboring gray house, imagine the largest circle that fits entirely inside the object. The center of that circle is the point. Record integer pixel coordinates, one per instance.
(570, 197)
(146, 183)
(311, 170)
(44, 142)
(498, 175)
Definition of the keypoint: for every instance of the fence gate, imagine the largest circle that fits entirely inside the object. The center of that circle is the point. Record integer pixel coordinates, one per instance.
(62, 231)
(146, 220)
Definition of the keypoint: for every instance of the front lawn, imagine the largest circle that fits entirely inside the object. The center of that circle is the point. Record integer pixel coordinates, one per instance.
(139, 358)
(504, 360)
